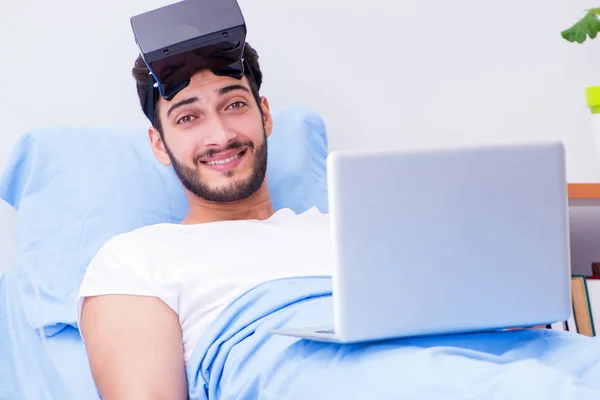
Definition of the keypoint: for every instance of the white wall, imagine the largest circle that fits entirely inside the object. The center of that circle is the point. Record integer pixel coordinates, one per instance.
(420, 73)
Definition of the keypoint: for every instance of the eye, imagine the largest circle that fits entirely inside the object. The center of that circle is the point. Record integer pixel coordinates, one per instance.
(186, 119)
(237, 105)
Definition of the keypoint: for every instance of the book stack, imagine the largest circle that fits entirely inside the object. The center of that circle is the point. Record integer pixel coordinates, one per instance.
(586, 305)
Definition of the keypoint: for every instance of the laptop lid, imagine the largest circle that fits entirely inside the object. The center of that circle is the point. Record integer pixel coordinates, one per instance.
(448, 240)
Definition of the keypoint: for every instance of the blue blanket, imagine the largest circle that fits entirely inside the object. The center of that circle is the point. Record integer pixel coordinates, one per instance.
(239, 359)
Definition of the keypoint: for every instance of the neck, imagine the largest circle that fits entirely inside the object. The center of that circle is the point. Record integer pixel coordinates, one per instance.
(258, 206)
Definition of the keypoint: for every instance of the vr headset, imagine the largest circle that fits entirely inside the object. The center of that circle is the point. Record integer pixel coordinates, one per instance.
(177, 40)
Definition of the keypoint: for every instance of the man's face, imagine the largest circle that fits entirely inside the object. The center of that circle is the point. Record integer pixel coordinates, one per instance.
(215, 137)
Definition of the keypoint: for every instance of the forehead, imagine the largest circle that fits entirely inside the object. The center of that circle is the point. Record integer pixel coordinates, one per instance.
(205, 85)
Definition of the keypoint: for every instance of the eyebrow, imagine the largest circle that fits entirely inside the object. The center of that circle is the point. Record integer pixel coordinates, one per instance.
(181, 103)
(224, 90)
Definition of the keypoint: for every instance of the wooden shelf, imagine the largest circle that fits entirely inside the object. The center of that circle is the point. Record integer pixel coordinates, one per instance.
(584, 190)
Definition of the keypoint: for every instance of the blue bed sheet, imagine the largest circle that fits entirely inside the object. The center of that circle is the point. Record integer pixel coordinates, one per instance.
(32, 369)
(239, 359)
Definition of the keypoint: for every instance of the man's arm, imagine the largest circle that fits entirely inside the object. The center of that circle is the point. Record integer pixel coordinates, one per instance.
(134, 348)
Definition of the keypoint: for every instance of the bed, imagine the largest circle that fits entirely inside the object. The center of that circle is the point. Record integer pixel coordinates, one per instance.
(73, 188)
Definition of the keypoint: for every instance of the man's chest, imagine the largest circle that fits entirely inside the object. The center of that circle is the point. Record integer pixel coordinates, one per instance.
(249, 255)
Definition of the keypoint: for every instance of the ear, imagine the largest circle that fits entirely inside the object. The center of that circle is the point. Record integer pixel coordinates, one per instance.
(267, 117)
(158, 146)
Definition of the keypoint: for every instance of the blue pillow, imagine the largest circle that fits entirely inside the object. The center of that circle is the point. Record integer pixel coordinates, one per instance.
(74, 188)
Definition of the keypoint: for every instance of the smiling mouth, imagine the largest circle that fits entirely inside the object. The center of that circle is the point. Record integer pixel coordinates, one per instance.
(224, 161)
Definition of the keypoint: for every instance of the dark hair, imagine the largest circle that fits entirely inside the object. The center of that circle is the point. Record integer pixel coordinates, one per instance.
(140, 73)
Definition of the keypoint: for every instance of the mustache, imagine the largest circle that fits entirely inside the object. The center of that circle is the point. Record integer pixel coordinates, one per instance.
(231, 146)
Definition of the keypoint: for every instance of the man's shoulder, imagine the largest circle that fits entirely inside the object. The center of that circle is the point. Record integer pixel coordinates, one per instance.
(142, 239)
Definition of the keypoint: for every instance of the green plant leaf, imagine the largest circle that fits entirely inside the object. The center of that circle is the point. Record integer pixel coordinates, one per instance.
(588, 26)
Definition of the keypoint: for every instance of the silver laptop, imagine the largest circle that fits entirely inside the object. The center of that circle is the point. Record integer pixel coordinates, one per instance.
(446, 241)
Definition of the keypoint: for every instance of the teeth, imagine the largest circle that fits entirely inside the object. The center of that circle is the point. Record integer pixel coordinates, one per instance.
(225, 161)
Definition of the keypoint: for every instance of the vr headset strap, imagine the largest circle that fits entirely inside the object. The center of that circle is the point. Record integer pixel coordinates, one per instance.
(151, 98)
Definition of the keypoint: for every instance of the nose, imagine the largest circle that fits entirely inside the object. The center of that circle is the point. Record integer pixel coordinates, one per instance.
(217, 133)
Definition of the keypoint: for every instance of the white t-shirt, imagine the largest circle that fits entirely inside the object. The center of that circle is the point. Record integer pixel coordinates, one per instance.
(197, 270)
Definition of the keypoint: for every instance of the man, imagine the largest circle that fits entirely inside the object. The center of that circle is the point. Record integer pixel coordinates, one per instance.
(148, 295)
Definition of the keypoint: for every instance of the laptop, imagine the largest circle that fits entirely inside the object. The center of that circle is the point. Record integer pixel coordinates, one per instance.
(445, 241)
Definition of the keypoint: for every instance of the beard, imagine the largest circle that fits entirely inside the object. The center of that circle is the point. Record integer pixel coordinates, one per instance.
(236, 190)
